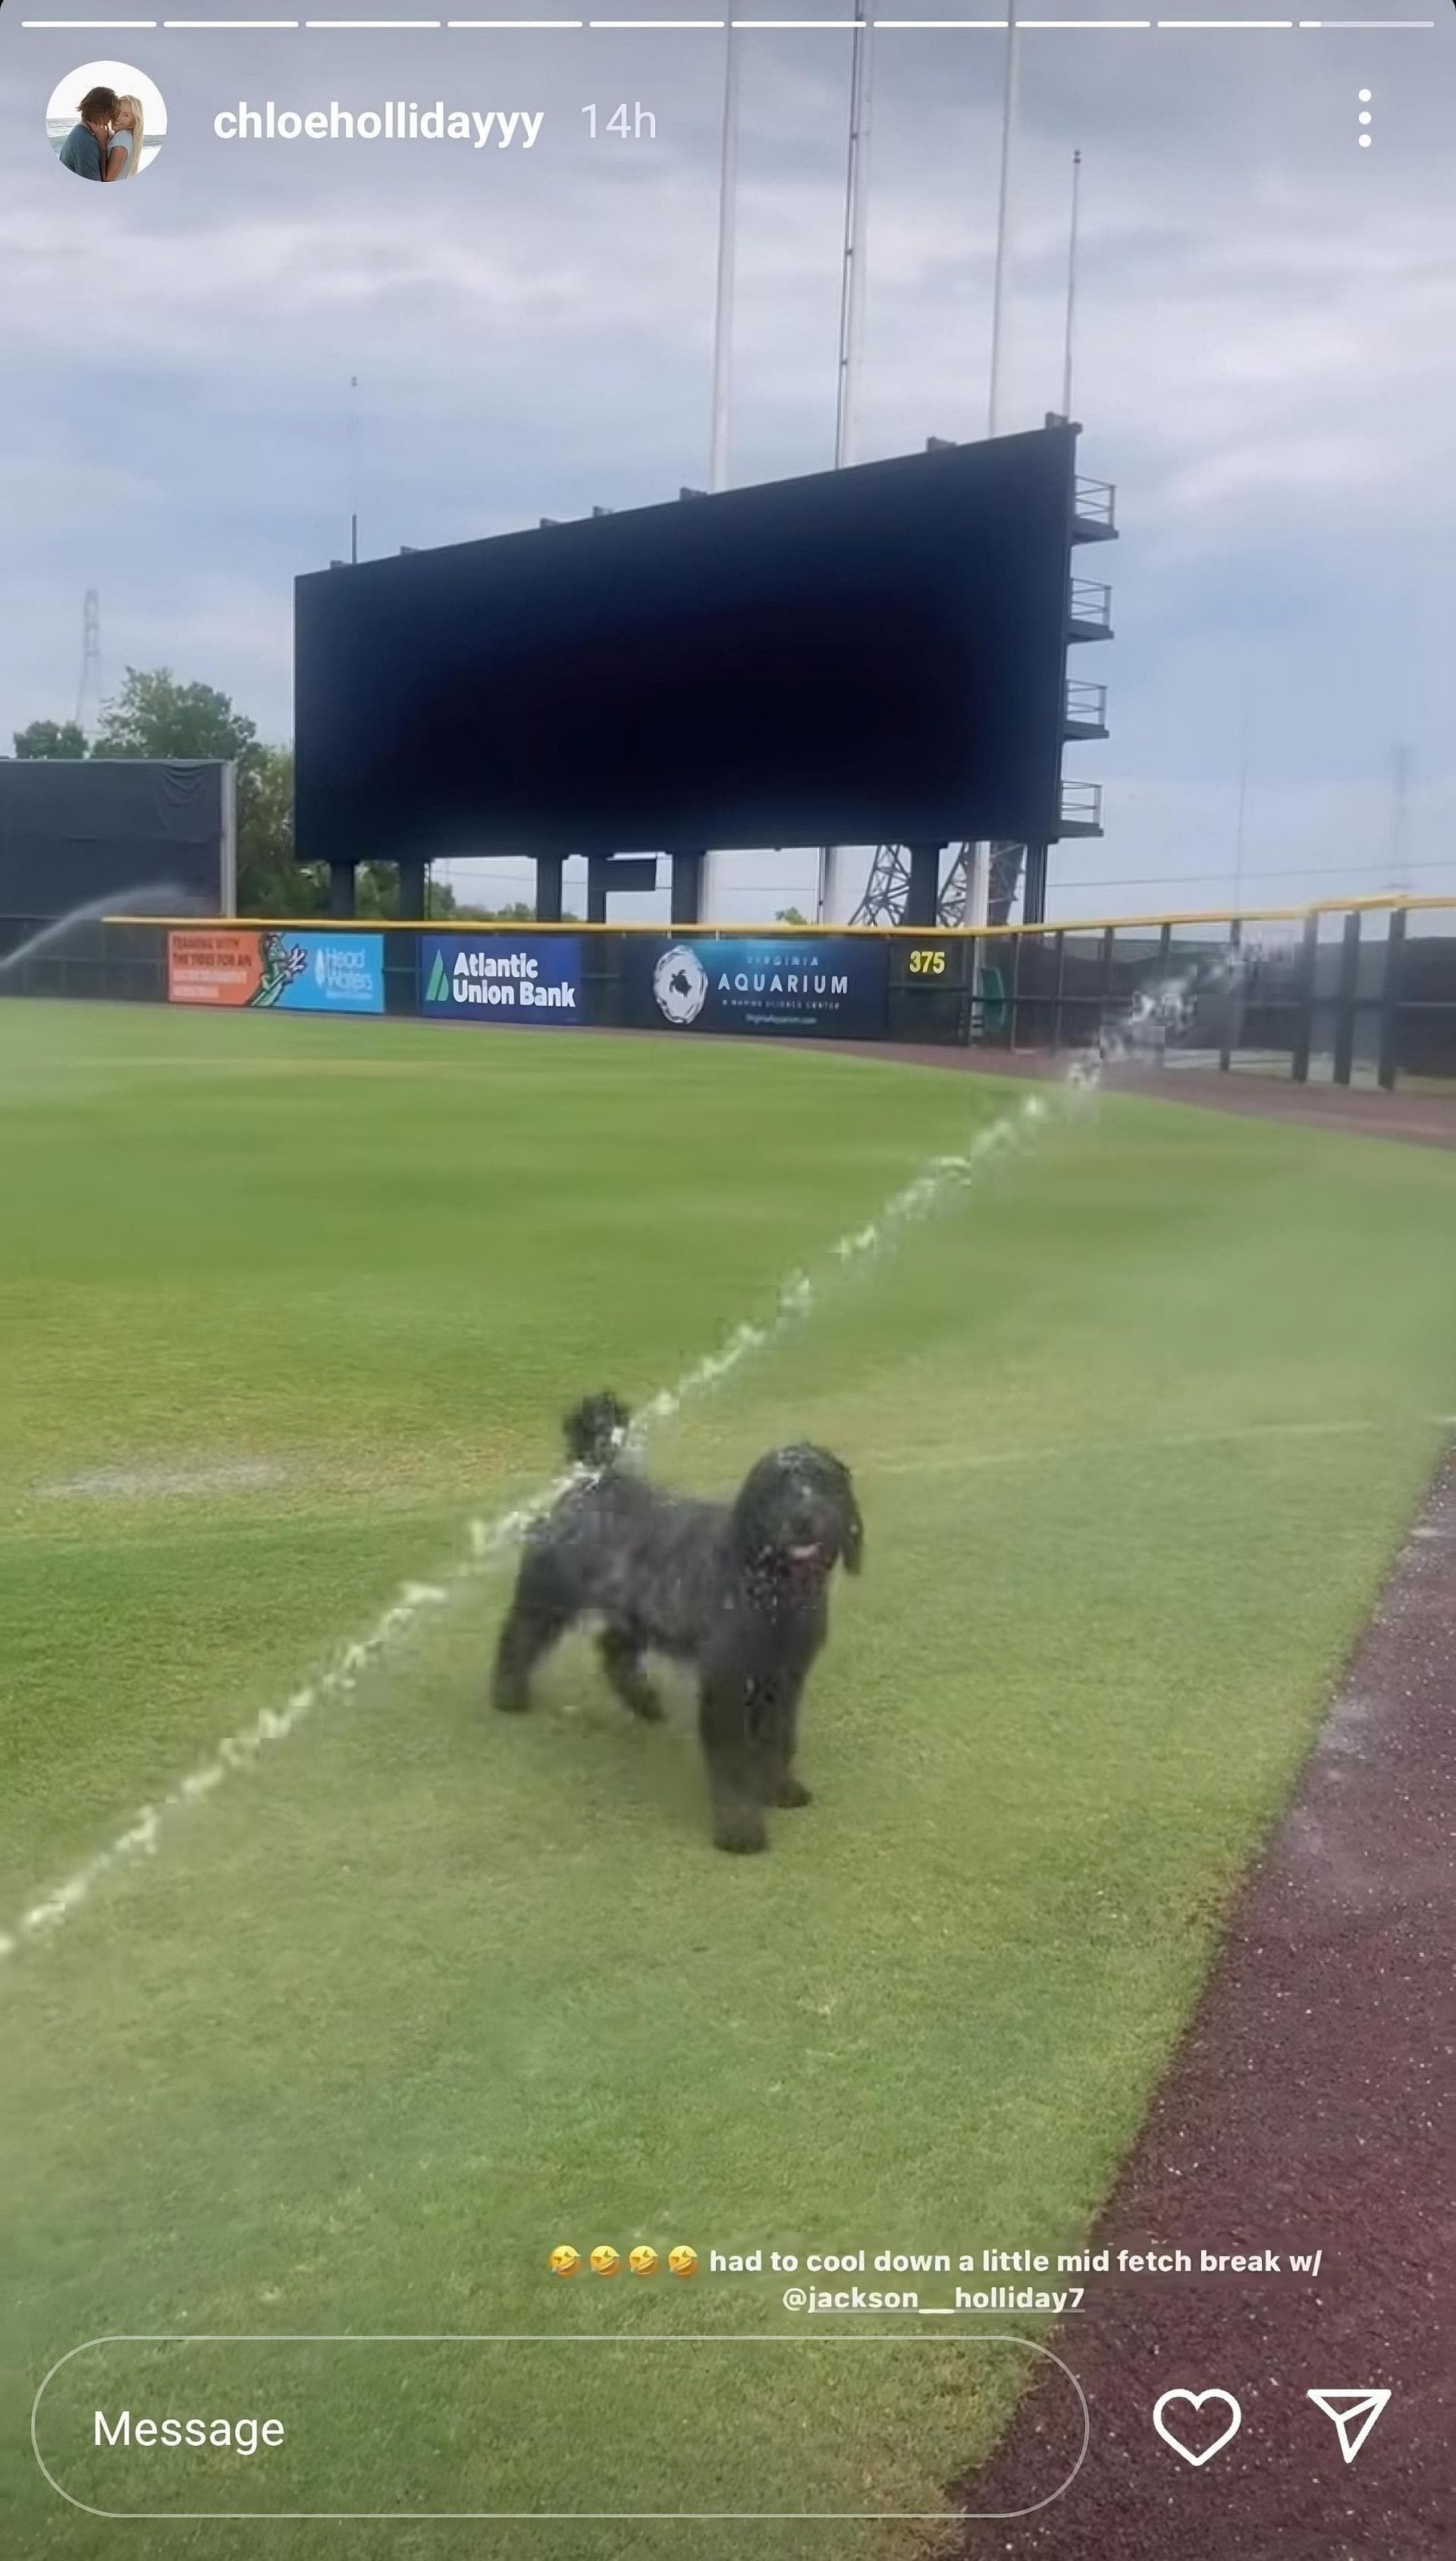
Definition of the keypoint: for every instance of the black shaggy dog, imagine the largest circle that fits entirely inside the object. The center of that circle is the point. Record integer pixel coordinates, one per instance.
(739, 1590)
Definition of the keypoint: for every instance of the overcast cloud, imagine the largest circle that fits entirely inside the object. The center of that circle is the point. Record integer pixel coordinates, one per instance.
(1266, 367)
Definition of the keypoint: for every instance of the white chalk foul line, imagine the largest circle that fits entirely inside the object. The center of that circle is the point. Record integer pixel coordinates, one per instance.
(486, 1540)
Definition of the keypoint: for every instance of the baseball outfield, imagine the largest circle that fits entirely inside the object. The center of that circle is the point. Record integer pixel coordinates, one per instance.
(349, 2037)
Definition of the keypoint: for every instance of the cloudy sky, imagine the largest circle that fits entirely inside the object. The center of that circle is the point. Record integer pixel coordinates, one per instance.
(1266, 367)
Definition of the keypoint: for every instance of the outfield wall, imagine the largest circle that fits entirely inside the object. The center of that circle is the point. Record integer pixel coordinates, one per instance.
(1359, 993)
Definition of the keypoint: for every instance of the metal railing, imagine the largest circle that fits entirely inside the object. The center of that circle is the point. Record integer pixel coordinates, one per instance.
(1096, 502)
(1345, 992)
(1086, 704)
(1081, 808)
(1091, 603)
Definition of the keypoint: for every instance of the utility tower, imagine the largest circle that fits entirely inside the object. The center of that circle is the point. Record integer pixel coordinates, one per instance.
(89, 691)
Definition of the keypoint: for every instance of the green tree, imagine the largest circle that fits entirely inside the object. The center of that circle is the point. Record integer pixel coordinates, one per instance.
(519, 913)
(154, 714)
(271, 879)
(376, 893)
(48, 739)
(790, 916)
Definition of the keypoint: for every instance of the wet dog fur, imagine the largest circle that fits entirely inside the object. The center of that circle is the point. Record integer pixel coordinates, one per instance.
(739, 1590)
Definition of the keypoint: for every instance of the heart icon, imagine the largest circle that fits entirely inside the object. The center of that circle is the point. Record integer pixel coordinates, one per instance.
(1196, 2401)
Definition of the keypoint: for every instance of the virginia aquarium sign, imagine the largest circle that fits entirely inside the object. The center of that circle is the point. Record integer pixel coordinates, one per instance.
(832, 983)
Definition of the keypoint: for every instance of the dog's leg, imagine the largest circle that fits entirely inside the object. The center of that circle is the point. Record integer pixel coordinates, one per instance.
(783, 1788)
(542, 1609)
(525, 1638)
(736, 1765)
(621, 1660)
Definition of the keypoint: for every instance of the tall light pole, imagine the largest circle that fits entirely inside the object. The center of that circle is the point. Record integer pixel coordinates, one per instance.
(856, 230)
(718, 460)
(354, 469)
(1000, 283)
(1002, 222)
(1245, 733)
(1400, 873)
(1071, 247)
(850, 312)
(727, 212)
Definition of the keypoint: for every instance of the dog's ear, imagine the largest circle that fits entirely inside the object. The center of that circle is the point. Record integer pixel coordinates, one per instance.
(853, 1550)
(754, 1521)
(851, 1522)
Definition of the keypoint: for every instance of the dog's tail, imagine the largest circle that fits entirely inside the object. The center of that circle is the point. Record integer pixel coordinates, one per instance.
(596, 1431)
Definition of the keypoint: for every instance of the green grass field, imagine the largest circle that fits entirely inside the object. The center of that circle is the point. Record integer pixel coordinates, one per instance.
(1137, 1425)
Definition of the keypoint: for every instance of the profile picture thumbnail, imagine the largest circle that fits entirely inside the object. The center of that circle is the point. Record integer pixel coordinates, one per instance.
(106, 122)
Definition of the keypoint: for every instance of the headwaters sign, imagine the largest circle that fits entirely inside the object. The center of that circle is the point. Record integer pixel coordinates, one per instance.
(297, 971)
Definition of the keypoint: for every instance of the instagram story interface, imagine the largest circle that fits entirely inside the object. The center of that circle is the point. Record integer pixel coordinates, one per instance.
(727, 1014)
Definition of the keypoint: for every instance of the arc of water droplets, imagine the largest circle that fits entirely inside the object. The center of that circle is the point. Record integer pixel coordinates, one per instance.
(1157, 1009)
(488, 1539)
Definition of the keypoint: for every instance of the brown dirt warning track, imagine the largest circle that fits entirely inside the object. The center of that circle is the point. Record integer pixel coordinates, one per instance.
(1311, 2108)
(1420, 1120)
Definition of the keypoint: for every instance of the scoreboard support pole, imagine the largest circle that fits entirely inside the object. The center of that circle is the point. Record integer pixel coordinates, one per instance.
(549, 888)
(922, 897)
(688, 865)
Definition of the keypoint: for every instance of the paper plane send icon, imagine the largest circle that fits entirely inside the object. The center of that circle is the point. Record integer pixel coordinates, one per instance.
(1354, 2414)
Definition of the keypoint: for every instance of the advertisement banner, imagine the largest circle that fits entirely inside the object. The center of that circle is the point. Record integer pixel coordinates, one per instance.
(297, 971)
(322, 973)
(830, 983)
(212, 968)
(502, 977)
